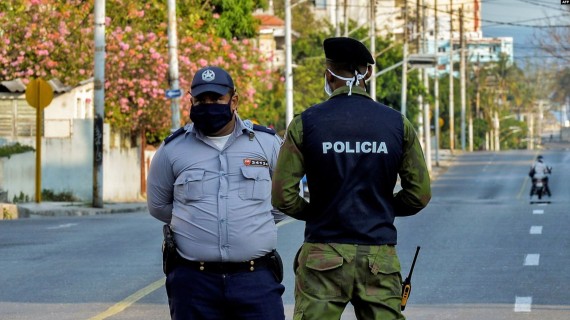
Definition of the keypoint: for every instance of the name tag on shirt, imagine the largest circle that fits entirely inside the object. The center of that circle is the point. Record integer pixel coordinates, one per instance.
(255, 163)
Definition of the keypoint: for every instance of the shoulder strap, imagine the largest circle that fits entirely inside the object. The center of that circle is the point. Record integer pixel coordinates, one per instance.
(175, 134)
(263, 129)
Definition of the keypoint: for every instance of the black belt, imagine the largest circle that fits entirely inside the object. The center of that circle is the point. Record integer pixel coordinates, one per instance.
(228, 267)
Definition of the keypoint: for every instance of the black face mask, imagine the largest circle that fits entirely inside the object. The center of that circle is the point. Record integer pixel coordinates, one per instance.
(211, 117)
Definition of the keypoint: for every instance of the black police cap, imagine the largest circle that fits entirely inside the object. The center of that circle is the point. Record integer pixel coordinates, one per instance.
(347, 50)
(211, 79)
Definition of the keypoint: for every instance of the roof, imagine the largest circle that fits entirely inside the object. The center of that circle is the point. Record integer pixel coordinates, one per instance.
(13, 86)
(268, 20)
(18, 86)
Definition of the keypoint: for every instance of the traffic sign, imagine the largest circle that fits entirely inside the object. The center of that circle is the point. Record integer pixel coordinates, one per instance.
(39, 93)
(170, 94)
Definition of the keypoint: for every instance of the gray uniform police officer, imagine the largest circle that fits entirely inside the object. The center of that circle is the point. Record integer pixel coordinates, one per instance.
(211, 182)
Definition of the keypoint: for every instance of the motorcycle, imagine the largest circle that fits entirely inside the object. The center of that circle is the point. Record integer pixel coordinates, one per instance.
(539, 188)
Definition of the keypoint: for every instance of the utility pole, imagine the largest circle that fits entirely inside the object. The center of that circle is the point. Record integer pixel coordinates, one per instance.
(451, 102)
(436, 87)
(345, 18)
(462, 75)
(497, 132)
(404, 92)
(173, 65)
(540, 117)
(337, 22)
(288, 65)
(98, 102)
(531, 130)
(373, 47)
(419, 47)
(478, 88)
(426, 107)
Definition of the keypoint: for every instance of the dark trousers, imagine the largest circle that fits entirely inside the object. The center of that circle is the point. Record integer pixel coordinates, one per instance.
(201, 295)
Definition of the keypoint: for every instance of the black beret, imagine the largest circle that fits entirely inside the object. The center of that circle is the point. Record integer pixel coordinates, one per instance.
(347, 50)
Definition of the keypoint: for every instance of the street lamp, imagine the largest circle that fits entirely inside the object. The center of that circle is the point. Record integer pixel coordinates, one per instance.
(288, 66)
(422, 61)
(289, 62)
(417, 61)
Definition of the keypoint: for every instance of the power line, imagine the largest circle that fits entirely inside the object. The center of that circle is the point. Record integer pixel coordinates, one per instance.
(539, 4)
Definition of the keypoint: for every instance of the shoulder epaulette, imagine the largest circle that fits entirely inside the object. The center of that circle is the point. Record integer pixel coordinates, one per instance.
(263, 129)
(175, 134)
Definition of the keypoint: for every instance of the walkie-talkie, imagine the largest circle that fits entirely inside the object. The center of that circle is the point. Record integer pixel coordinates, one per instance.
(407, 285)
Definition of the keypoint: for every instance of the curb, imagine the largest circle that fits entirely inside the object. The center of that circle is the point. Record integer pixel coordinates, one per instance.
(59, 209)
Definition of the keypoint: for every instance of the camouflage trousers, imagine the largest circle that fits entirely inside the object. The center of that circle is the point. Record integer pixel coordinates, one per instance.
(329, 276)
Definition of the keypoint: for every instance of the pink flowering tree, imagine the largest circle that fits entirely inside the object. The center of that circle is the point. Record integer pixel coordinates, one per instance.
(136, 79)
(43, 38)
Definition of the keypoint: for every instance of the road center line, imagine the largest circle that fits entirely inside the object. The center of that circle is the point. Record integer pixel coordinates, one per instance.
(128, 301)
(537, 211)
(536, 230)
(523, 304)
(532, 259)
(61, 226)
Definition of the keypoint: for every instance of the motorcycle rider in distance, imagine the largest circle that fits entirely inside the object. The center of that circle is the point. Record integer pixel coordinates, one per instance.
(540, 170)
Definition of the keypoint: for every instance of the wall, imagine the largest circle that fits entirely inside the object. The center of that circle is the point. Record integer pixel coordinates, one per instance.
(565, 134)
(67, 166)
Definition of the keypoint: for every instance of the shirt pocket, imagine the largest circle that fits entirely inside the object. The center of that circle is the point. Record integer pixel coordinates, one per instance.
(189, 186)
(256, 184)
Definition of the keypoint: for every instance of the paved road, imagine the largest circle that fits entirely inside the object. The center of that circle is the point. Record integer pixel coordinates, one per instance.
(486, 253)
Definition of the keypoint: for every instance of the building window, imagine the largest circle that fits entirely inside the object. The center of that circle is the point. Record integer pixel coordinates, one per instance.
(321, 4)
(78, 108)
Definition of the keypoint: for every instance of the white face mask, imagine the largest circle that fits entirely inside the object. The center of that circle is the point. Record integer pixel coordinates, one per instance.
(328, 89)
(349, 81)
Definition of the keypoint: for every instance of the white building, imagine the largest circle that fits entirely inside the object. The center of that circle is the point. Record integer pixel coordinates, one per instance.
(67, 146)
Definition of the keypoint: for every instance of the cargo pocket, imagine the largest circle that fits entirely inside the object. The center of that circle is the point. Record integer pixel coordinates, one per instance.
(383, 277)
(322, 275)
(256, 184)
(189, 186)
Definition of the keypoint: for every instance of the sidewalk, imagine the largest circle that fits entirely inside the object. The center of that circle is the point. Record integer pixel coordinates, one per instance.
(59, 209)
(446, 158)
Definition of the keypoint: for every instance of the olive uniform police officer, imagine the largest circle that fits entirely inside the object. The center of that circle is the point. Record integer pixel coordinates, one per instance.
(352, 149)
(211, 182)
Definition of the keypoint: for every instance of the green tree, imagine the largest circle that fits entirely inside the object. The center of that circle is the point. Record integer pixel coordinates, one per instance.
(309, 60)
(234, 18)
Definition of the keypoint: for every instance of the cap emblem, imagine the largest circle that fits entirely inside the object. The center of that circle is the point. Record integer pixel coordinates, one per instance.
(208, 75)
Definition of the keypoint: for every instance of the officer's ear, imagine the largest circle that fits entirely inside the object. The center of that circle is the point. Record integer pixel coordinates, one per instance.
(234, 101)
(191, 101)
(330, 78)
(368, 72)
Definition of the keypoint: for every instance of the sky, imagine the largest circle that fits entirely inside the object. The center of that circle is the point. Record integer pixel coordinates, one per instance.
(496, 16)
